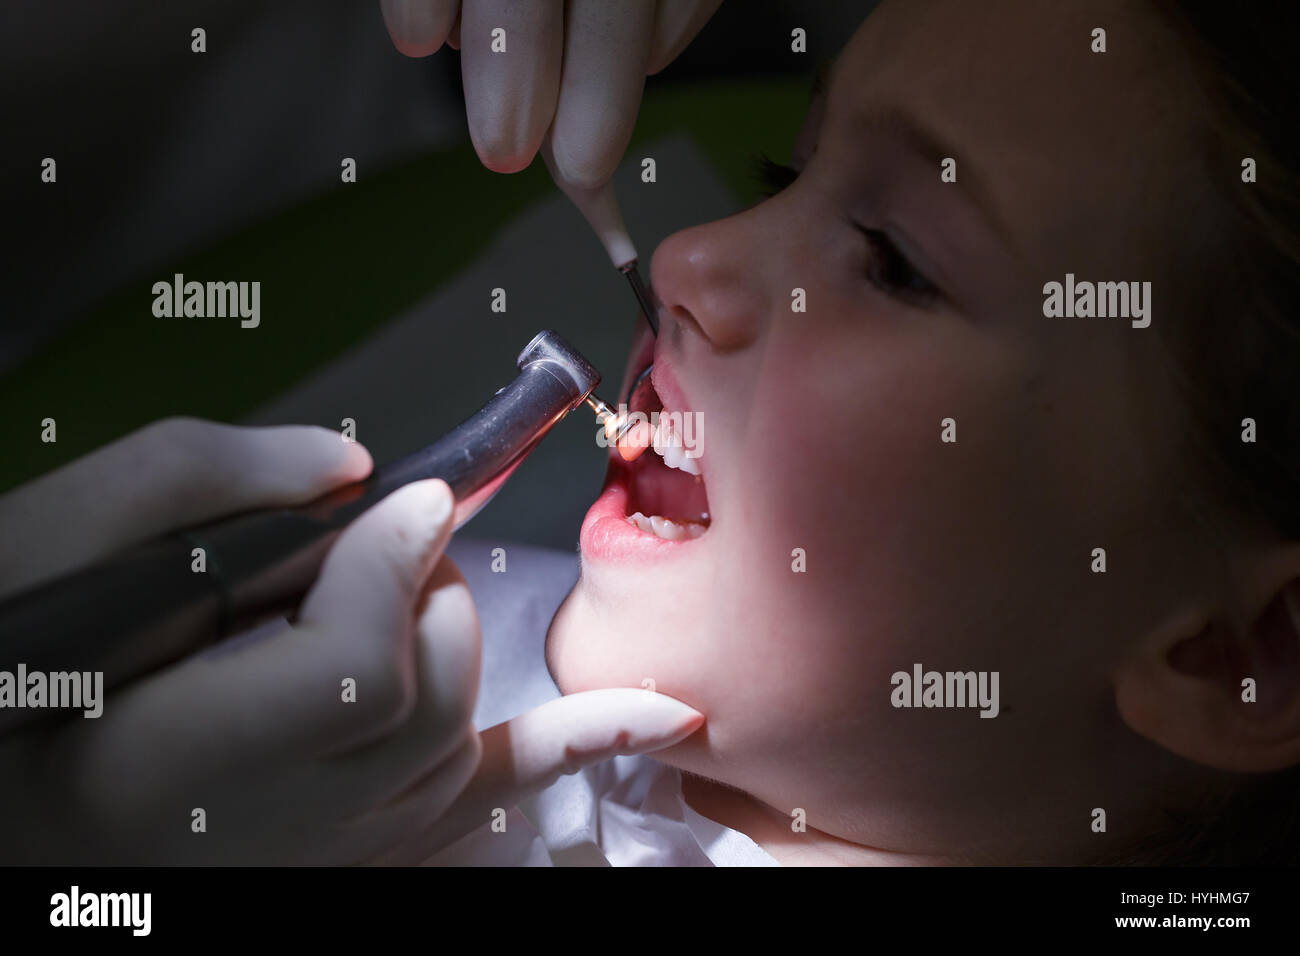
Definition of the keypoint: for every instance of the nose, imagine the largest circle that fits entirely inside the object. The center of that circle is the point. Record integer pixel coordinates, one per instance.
(710, 276)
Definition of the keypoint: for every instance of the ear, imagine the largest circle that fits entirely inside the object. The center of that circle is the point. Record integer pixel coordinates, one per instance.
(1222, 688)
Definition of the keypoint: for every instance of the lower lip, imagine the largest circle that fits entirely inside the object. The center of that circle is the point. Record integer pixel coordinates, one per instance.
(607, 535)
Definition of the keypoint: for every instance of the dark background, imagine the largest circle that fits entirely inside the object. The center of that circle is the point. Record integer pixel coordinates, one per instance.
(225, 165)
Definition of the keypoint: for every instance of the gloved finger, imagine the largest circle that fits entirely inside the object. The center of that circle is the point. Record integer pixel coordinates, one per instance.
(453, 38)
(448, 656)
(360, 617)
(530, 752)
(676, 24)
(599, 206)
(510, 92)
(419, 27)
(606, 46)
(170, 474)
(281, 701)
(387, 836)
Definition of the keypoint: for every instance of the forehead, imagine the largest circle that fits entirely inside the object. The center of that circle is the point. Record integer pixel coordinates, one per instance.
(1016, 94)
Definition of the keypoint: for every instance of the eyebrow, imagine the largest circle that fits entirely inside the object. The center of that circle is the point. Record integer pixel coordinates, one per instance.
(817, 93)
(918, 138)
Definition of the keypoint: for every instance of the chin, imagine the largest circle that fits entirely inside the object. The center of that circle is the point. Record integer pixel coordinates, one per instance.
(585, 650)
(555, 642)
(579, 659)
(576, 656)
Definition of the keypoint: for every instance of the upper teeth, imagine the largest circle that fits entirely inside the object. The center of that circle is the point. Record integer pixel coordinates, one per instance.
(662, 527)
(669, 446)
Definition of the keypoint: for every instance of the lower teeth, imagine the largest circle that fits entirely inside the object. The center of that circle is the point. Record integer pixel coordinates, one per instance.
(662, 527)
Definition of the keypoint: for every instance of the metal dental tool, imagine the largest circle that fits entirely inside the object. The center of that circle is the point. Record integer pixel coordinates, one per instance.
(642, 294)
(144, 608)
(645, 296)
(615, 427)
(599, 206)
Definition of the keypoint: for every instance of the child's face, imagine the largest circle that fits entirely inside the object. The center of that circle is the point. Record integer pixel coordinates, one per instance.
(822, 432)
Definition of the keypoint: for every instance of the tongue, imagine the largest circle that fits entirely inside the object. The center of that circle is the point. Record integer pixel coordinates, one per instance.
(656, 489)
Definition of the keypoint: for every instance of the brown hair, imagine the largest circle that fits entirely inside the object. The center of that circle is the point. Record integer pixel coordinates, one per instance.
(1242, 362)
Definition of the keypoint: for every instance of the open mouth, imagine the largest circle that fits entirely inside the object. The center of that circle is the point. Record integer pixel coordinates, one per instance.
(654, 505)
(666, 496)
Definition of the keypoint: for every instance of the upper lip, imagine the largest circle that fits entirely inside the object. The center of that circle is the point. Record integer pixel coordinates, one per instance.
(671, 396)
(643, 356)
(664, 380)
(666, 386)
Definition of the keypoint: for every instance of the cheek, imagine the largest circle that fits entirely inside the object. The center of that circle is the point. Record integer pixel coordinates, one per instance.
(893, 525)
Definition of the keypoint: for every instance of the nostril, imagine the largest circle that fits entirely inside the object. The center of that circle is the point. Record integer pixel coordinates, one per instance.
(682, 322)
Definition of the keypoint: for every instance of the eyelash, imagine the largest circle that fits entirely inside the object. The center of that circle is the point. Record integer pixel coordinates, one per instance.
(890, 271)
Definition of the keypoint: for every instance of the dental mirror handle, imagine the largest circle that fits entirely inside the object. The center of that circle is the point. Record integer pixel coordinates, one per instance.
(144, 608)
(599, 206)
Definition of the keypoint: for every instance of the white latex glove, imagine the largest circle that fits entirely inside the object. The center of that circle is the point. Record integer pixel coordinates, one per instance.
(256, 734)
(575, 68)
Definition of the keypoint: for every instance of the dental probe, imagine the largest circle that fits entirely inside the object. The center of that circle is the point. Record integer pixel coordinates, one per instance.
(599, 206)
(642, 293)
(616, 428)
(146, 607)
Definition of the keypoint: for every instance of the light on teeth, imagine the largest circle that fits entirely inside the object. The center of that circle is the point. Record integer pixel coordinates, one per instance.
(665, 528)
(636, 441)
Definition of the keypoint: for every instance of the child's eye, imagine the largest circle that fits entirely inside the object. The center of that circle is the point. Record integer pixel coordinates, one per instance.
(890, 271)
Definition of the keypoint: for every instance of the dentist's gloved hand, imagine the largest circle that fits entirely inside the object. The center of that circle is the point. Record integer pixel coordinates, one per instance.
(575, 69)
(528, 753)
(167, 475)
(256, 734)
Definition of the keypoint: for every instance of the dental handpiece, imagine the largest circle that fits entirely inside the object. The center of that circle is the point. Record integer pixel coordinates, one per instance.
(147, 607)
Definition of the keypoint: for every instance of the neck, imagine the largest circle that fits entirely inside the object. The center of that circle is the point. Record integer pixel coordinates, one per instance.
(772, 832)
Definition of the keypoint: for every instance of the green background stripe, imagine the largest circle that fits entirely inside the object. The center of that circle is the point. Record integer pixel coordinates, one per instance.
(354, 258)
